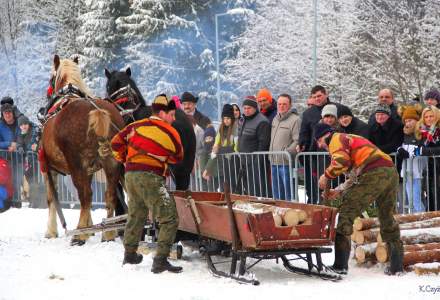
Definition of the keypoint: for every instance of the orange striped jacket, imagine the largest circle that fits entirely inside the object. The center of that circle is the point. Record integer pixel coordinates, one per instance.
(352, 151)
(148, 145)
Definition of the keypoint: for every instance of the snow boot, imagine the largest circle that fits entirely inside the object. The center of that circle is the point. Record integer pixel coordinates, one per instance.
(161, 263)
(342, 254)
(132, 258)
(395, 249)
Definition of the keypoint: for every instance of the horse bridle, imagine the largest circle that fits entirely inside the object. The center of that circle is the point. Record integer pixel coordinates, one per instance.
(125, 94)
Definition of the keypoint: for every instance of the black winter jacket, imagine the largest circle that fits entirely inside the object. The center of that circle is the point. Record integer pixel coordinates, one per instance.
(254, 133)
(357, 127)
(388, 137)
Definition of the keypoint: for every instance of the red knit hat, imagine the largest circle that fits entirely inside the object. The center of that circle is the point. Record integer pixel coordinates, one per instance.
(265, 93)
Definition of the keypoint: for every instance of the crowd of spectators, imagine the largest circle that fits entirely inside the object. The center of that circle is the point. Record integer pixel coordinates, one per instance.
(265, 123)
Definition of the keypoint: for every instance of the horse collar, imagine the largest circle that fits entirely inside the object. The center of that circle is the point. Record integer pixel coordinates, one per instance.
(70, 89)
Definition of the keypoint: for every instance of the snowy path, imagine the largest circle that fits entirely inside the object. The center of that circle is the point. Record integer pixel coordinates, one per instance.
(32, 267)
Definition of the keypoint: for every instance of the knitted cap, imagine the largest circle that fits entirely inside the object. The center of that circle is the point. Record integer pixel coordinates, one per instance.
(410, 112)
(383, 108)
(265, 93)
(161, 103)
(228, 111)
(23, 120)
(188, 97)
(250, 101)
(329, 109)
(322, 129)
(433, 94)
(344, 111)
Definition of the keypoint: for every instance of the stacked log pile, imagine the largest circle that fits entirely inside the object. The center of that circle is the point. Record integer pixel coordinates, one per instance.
(420, 234)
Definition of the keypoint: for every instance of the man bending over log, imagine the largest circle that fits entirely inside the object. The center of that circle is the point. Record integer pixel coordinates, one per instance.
(146, 147)
(377, 181)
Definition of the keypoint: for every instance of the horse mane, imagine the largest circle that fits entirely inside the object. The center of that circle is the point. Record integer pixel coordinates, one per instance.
(69, 72)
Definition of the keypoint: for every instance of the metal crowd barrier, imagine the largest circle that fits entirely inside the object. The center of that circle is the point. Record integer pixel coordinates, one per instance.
(262, 174)
(29, 184)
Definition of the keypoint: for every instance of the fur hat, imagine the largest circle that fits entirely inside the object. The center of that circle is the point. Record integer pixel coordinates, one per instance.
(188, 97)
(161, 102)
(7, 107)
(228, 111)
(433, 94)
(322, 129)
(383, 108)
(329, 109)
(250, 101)
(265, 93)
(410, 112)
(7, 99)
(23, 120)
(344, 111)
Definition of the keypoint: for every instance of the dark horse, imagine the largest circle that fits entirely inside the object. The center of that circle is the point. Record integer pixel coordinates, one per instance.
(122, 91)
(75, 141)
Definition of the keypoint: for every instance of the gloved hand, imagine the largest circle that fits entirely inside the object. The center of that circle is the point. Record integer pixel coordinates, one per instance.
(418, 151)
(402, 153)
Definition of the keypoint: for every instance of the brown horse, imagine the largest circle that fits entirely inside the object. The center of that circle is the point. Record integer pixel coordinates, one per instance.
(76, 141)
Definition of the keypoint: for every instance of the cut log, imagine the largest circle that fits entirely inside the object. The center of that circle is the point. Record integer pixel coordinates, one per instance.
(429, 268)
(365, 236)
(414, 257)
(365, 253)
(383, 256)
(364, 224)
(288, 216)
(420, 236)
(434, 222)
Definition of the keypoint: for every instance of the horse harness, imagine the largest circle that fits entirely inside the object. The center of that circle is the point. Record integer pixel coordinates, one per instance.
(122, 96)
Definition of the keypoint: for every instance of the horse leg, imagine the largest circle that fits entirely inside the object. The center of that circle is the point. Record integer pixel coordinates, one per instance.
(83, 184)
(52, 231)
(113, 172)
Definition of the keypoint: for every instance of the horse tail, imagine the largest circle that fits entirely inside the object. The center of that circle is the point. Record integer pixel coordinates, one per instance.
(99, 122)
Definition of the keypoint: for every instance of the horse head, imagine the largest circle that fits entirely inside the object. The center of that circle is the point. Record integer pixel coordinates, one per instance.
(124, 93)
(66, 77)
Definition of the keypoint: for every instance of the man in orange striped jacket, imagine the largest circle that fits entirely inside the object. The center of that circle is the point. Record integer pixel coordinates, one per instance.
(377, 181)
(146, 147)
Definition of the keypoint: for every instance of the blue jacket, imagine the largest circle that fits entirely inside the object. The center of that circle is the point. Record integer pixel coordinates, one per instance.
(6, 136)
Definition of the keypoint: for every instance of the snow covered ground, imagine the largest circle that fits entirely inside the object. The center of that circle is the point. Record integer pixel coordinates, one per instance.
(32, 267)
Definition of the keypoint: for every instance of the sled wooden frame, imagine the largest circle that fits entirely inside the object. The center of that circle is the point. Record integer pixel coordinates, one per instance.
(310, 241)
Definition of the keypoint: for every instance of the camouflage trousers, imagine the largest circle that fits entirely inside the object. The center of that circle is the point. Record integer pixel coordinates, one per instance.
(147, 192)
(378, 185)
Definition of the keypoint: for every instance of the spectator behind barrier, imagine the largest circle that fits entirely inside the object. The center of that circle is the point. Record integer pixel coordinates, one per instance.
(27, 139)
(416, 166)
(189, 103)
(284, 137)
(386, 132)
(351, 124)
(386, 97)
(432, 97)
(266, 104)
(428, 133)
(253, 136)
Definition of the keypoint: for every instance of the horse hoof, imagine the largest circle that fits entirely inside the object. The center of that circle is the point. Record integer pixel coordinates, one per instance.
(77, 242)
(111, 240)
(51, 235)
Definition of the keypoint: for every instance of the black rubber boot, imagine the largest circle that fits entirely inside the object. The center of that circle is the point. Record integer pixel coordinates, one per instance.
(342, 254)
(161, 264)
(395, 249)
(132, 258)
